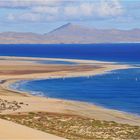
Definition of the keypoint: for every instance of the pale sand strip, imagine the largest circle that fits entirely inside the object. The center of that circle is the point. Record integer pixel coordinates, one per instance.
(56, 59)
(13, 131)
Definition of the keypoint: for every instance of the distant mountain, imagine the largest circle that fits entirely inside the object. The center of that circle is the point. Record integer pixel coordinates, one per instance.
(19, 38)
(70, 33)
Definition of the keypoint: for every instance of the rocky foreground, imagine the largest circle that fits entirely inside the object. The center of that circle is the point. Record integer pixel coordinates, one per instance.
(5, 105)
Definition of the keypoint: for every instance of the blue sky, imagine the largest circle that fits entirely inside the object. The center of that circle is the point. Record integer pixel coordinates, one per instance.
(42, 16)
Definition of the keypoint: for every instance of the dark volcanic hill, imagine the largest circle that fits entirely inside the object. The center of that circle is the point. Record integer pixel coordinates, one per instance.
(70, 33)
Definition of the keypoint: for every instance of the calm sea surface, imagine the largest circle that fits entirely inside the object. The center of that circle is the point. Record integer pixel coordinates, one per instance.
(118, 89)
(110, 52)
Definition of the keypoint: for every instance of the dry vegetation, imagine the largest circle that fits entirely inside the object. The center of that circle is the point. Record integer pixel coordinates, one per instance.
(75, 127)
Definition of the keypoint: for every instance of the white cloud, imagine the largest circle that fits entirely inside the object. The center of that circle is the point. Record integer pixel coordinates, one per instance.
(27, 3)
(46, 10)
(84, 9)
(104, 8)
(28, 17)
(51, 10)
(110, 8)
(87, 9)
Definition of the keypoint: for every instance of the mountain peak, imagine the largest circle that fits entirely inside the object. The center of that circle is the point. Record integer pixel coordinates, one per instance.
(61, 27)
(68, 24)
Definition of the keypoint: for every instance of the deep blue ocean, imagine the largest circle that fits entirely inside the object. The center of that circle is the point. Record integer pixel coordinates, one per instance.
(108, 52)
(118, 89)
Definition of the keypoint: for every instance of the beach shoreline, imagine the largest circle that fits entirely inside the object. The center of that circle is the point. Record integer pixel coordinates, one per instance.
(107, 67)
(8, 82)
(10, 86)
(29, 94)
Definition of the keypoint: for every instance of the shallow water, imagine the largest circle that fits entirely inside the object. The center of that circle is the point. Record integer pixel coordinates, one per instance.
(55, 62)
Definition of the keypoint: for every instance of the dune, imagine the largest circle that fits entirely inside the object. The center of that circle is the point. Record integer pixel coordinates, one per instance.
(10, 130)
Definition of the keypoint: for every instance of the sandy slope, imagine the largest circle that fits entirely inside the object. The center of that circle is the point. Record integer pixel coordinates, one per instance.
(13, 131)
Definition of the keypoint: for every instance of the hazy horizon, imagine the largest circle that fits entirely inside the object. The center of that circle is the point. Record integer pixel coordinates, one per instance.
(42, 16)
(83, 26)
